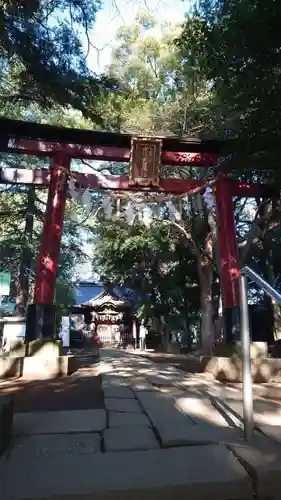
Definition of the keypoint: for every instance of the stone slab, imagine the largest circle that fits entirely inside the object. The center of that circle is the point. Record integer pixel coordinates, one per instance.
(122, 405)
(118, 392)
(125, 369)
(148, 371)
(127, 376)
(186, 434)
(268, 391)
(231, 369)
(106, 368)
(271, 431)
(172, 415)
(6, 422)
(266, 412)
(162, 400)
(197, 473)
(47, 349)
(127, 419)
(38, 446)
(143, 386)
(39, 367)
(262, 459)
(129, 438)
(160, 380)
(56, 422)
(10, 366)
(114, 382)
(195, 383)
(125, 372)
(200, 409)
(258, 350)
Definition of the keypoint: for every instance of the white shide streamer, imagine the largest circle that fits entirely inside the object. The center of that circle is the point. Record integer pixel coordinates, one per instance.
(130, 214)
(107, 207)
(142, 211)
(81, 196)
(86, 199)
(147, 216)
(72, 189)
(187, 208)
(208, 198)
(174, 213)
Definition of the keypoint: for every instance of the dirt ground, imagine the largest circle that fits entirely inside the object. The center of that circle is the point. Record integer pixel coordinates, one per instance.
(80, 391)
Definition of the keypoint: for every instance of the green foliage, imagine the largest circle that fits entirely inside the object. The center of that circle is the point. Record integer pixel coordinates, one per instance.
(154, 262)
(42, 56)
(239, 48)
(13, 209)
(19, 249)
(163, 95)
(64, 296)
(147, 68)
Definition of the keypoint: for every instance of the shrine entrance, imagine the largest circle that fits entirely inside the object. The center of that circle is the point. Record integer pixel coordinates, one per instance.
(109, 317)
(145, 156)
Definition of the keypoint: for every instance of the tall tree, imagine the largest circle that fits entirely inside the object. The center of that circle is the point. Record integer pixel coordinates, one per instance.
(165, 95)
(147, 67)
(155, 263)
(242, 61)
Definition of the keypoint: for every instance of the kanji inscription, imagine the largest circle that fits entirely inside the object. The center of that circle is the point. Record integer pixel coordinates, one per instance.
(145, 161)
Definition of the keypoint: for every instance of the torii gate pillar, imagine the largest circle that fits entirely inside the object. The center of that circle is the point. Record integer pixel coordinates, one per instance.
(228, 259)
(41, 315)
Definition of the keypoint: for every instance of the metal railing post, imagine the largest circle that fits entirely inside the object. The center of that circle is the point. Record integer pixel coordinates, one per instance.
(248, 411)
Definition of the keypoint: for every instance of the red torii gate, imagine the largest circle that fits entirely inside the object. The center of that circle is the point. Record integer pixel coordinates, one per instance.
(63, 144)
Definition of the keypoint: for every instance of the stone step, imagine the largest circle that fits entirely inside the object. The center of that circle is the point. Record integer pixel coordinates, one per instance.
(6, 422)
(55, 422)
(201, 473)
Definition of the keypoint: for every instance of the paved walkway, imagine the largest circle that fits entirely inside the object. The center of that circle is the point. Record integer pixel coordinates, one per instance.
(163, 434)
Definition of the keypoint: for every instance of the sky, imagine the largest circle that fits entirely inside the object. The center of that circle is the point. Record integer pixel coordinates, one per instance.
(116, 13)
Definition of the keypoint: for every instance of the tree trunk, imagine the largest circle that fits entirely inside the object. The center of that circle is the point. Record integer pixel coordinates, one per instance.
(26, 255)
(205, 273)
(207, 328)
(268, 270)
(276, 320)
(164, 334)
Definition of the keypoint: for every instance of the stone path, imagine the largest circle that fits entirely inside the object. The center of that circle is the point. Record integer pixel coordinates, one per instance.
(157, 407)
(161, 435)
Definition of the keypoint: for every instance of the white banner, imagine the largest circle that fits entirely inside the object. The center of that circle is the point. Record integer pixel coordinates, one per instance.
(13, 332)
(134, 329)
(65, 331)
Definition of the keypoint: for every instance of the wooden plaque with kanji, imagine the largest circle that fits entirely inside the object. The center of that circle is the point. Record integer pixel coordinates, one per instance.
(145, 161)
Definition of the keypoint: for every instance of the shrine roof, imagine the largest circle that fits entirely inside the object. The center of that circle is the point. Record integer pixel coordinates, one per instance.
(107, 298)
(96, 295)
(87, 291)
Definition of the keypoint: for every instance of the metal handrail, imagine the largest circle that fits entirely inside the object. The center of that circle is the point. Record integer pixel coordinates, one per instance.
(258, 280)
(248, 409)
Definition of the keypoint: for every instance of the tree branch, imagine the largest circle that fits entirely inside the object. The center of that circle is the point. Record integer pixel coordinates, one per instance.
(255, 229)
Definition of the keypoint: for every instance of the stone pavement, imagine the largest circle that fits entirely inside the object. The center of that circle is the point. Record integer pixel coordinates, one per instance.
(162, 434)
